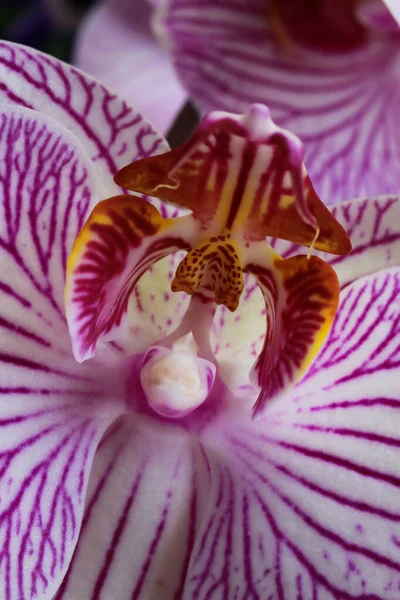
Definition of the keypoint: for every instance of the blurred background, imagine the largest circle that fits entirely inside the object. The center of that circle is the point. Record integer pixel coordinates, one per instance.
(48, 25)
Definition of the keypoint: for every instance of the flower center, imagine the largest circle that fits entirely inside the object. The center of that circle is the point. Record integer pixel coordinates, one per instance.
(175, 380)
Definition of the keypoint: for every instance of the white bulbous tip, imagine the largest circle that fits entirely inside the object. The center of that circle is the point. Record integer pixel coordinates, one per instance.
(175, 380)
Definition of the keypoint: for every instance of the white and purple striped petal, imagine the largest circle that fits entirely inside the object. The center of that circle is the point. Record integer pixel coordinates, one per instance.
(344, 107)
(112, 133)
(53, 412)
(147, 496)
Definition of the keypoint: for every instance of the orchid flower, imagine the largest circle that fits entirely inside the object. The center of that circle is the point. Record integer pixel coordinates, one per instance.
(328, 70)
(103, 493)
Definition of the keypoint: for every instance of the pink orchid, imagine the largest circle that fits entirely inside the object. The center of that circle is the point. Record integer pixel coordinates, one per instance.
(328, 70)
(101, 497)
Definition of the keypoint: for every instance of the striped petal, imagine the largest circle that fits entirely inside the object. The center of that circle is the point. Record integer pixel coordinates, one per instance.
(304, 503)
(229, 56)
(123, 237)
(111, 132)
(52, 410)
(137, 543)
(128, 59)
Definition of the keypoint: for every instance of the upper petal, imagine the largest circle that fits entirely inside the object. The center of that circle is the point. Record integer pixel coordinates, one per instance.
(111, 132)
(228, 57)
(241, 172)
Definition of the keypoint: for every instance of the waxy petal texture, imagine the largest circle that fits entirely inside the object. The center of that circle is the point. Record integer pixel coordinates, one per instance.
(228, 57)
(115, 45)
(52, 411)
(123, 237)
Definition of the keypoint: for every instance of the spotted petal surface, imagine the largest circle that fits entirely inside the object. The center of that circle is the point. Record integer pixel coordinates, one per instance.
(228, 57)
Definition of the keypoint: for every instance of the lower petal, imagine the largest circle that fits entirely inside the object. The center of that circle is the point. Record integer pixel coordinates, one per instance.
(129, 60)
(147, 494)
(48, 440)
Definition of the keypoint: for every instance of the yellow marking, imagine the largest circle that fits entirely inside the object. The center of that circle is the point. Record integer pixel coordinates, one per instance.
(286, 201)
(212, 180)
(328, 315)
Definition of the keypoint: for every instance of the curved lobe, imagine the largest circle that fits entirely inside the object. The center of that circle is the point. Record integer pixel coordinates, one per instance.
(301, 297)
(228, 56)
(143, 545)
(122, 238)
(52, 411)
(111, 132)
(128, 59)
(305, 502)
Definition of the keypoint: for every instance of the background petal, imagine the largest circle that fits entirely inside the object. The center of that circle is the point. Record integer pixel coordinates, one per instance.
(147, 493)
(52, 411)
(228, 57)
(115, 45)
(112, 133)
(305, 503)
